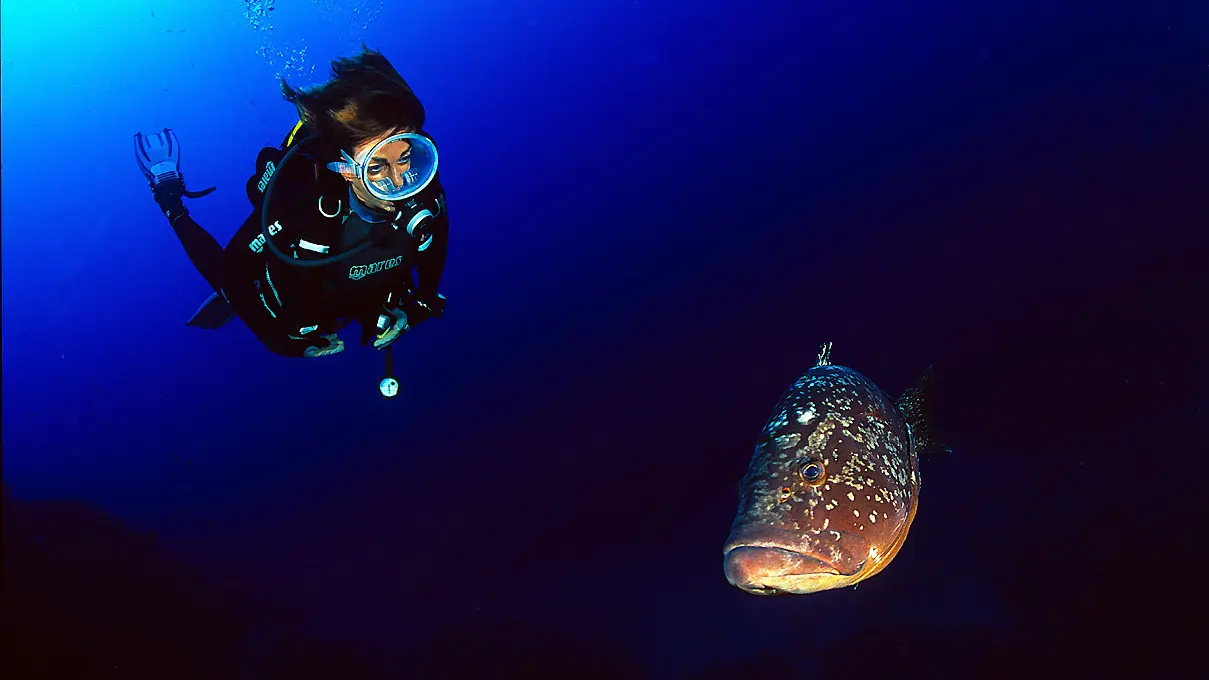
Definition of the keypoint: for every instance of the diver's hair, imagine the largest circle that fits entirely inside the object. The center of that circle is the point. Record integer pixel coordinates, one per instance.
(365, 98)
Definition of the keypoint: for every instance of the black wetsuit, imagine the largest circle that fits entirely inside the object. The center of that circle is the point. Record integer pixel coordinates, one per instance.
(313, 215)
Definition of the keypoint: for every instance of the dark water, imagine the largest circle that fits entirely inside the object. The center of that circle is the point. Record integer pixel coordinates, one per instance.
(1017, 194)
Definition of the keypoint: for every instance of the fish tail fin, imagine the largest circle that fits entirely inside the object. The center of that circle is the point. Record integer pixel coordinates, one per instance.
(915, 404)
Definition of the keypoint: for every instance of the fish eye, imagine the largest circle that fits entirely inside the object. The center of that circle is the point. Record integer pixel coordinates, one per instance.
(813, 472)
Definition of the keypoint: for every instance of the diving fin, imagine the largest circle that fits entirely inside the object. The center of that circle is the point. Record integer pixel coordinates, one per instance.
(214, 313)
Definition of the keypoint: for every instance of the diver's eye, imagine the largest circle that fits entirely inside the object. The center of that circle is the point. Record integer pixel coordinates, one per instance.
(813, 472)
(374, 169)
(786, 492)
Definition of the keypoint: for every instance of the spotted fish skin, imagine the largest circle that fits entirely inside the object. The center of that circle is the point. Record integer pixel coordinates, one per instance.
(832, 487)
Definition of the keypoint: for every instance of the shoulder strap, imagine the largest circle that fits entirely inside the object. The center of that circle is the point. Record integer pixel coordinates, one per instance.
(289, 138)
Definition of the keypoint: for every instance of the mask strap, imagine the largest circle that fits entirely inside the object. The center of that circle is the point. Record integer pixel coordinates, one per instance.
(349, 165)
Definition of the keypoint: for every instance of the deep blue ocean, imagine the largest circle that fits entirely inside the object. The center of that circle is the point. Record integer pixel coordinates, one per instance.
(659, 211)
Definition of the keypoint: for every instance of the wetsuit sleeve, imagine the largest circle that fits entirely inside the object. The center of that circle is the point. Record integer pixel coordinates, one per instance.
(430, 264)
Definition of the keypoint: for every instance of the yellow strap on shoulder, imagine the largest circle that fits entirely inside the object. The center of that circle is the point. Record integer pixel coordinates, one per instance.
(290, 138)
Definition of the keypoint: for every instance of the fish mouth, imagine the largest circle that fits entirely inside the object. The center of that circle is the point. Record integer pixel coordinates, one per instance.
(769, 567)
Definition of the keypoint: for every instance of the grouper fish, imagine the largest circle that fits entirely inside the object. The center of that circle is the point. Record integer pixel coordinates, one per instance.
(833, 483)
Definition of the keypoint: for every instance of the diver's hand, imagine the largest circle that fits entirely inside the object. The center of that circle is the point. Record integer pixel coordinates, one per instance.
(296, 348)
(400, 326)
(158, 155)
(324, 346)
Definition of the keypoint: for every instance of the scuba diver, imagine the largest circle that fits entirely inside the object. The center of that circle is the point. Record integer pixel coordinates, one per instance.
(344, 212)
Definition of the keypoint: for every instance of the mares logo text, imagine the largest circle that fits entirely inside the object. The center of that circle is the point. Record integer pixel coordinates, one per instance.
(257, 243)
(363, 270)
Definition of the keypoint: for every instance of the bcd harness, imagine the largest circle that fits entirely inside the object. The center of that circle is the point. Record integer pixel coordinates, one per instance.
(306, 250)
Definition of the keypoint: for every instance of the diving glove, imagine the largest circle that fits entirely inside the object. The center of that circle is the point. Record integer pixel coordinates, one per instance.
(327, 345)
(159, 157)
(399, 325)
(395, 321)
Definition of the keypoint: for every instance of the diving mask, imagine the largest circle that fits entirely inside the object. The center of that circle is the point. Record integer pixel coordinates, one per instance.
(394, 169)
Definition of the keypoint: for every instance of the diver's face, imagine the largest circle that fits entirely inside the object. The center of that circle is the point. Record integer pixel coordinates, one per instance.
(389, 162)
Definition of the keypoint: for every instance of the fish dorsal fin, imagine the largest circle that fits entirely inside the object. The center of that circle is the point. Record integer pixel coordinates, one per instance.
(824, 355)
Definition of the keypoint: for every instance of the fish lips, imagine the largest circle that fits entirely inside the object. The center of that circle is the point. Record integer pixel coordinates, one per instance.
(773, 561)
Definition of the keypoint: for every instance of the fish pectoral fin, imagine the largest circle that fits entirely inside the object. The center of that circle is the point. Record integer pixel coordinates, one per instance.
(915, 405)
